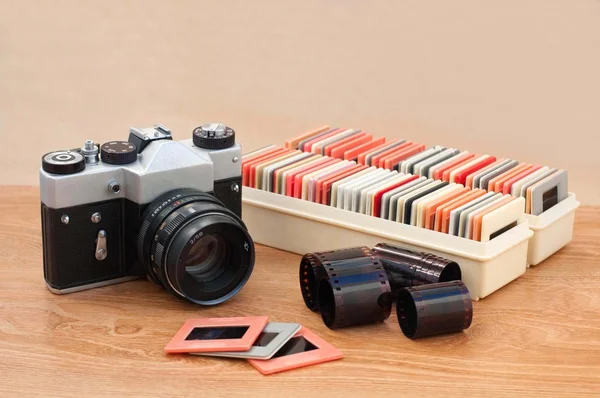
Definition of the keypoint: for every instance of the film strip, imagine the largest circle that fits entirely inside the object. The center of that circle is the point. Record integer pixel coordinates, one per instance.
(406, 268)
(349, 287)
(356, 286)
(434, 309)
(312, 271)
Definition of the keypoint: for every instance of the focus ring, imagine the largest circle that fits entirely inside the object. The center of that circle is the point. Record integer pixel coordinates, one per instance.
(158, 253)
(175, 223)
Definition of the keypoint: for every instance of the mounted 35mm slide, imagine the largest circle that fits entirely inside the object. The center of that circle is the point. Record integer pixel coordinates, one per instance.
(551, 218)
(462, 206)
(271, 347)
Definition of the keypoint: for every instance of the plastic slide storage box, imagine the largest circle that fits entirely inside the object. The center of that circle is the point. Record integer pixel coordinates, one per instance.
(552, 230)
(300, 227)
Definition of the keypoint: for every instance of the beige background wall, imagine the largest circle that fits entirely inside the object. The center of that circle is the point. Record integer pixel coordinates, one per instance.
(512, 78)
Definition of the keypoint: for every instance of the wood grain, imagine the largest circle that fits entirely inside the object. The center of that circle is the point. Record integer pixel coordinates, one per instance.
(540, 335)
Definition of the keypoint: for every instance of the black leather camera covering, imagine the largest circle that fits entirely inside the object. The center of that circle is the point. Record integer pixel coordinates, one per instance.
(69, 249)
(231, 199)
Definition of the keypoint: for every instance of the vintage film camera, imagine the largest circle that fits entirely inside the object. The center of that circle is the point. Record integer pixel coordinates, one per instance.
(149, 206)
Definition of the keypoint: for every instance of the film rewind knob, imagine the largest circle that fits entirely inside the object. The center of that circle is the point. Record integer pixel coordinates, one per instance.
(63, 162)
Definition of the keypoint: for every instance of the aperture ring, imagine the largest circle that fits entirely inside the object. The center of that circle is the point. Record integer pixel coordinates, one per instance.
(159, 209)
(149, 239)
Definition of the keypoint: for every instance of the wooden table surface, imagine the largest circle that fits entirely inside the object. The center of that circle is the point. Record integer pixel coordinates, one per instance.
(538, 335)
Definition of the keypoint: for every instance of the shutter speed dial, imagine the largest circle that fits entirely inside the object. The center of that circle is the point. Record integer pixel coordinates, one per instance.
(118, 152)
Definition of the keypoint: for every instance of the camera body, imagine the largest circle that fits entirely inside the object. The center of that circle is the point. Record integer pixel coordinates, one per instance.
(93, 199)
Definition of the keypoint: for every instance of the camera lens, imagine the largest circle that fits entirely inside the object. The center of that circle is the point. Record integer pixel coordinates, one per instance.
(205, 259)
(195, 247)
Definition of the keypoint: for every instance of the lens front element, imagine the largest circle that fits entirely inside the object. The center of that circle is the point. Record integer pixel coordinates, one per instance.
(206, 258)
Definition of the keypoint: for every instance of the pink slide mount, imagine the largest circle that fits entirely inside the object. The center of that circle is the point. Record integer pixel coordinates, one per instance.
(217, 334)
(304, 349)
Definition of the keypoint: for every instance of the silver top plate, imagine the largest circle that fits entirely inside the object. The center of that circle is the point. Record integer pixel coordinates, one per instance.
(163, 166)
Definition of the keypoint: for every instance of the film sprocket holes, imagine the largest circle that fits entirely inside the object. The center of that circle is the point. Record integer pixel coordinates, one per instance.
(434, 309)
(406, 268)
(348, 286)
(149, 206)
(357, 285)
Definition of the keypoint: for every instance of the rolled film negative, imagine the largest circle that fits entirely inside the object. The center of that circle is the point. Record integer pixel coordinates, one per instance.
(434, 309)
(356, 291)
(406, 268)
(312, 270)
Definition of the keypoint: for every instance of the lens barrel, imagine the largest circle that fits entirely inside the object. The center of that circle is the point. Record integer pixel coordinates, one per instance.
(195, 247)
